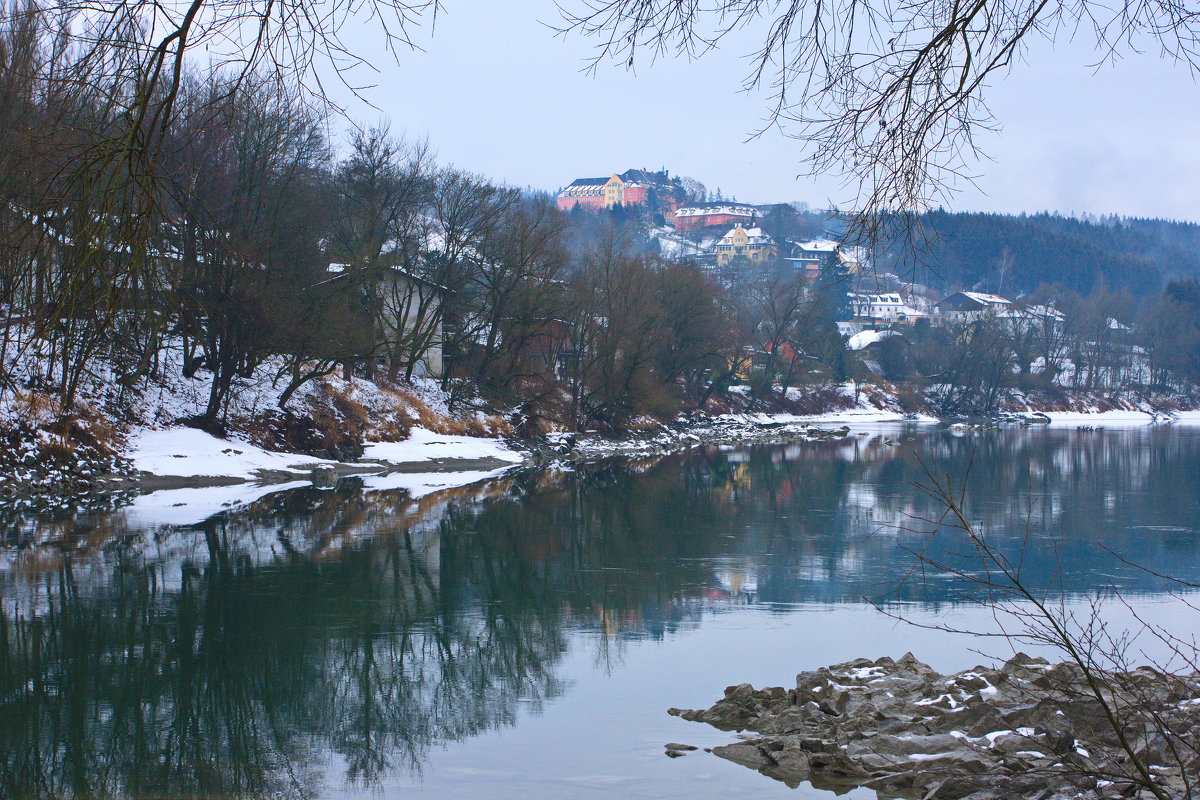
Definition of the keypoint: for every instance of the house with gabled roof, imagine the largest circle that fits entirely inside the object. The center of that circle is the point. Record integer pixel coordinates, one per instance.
(752, 244)
(392, 304)
(810, 257)
(967, 306)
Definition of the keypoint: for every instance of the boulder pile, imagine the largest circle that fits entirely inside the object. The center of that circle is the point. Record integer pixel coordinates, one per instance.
(1027, 730)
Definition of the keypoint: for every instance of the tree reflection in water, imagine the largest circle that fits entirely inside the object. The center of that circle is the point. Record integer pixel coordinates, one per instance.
(351, 631)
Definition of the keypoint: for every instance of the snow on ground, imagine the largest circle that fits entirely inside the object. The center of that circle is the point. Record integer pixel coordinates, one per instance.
(864, 339)
(425, 445)
(192, 453)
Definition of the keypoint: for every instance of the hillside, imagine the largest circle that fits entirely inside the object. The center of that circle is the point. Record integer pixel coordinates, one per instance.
(1016, 254)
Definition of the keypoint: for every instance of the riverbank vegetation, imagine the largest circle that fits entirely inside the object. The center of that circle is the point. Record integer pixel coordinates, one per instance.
(244, 272)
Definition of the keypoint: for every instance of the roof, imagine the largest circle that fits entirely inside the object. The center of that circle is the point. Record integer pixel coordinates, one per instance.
(338, 272)
(706, 209)
(817, 246)
(585, 187)
(753, 235)
(973, 301)
(987, 299)
(642, 176)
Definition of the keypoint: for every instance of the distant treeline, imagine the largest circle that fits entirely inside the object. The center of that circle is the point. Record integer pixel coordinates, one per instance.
(1006, 254)
(1015, 255)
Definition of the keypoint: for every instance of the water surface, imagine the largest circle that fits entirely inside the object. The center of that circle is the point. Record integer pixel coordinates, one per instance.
(523, 637)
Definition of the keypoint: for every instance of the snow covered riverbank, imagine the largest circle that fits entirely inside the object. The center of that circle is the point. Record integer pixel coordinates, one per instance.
(408, 435)
(192, 475)
(189, 453)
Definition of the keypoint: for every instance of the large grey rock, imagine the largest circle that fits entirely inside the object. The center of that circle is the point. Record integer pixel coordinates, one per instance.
(1029, 730)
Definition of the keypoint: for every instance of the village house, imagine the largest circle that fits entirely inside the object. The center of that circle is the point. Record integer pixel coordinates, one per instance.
(545, 353)
(874, 310)
(405, 308)
(970, 306)
(698, 216)
(751, 244)
(811, 257)
(633, 187)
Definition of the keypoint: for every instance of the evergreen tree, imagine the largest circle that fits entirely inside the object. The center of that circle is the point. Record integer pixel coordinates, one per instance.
(833, 284)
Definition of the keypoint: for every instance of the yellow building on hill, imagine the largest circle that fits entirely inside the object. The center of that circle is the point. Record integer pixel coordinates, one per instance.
(751, 244)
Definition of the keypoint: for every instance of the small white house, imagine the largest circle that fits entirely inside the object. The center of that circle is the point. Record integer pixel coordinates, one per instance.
(883, 309)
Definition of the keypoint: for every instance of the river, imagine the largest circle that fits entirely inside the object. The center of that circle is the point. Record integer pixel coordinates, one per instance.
(523, 637)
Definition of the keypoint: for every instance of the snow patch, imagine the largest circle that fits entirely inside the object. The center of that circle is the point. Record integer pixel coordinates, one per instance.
(191, 453)
(425, 445)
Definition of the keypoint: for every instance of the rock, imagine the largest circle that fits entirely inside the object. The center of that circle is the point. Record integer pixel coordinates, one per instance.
(323, 476)
(675, 746)
(744, 753)
(1028, 730)
(674, 753)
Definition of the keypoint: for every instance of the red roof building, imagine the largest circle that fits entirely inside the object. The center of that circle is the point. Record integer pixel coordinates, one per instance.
(697, 216)
(633, 187)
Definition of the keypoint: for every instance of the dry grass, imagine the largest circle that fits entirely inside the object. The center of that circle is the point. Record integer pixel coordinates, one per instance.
(411, 410)
(819, 400)
(36, 408)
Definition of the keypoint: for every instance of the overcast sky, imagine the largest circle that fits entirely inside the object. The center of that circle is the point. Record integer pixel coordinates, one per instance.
(496, 92)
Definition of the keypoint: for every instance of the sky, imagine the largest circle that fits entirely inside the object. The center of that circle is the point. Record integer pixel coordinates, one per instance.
(496, 92)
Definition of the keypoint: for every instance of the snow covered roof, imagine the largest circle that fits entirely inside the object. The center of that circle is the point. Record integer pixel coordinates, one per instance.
(877, 299)
(584, 187)
(645, 177)
(712, 209)
(816, 246)
(1045, 312)
(589, 182)
(987, 299)
(753, 235)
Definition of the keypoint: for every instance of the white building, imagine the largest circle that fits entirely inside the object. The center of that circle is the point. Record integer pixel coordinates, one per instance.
(883, 309)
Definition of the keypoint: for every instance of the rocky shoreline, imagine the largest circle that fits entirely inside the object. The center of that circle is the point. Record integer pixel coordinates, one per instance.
(31, 483)
(684, 434)
(1027, 730)
(44, 486)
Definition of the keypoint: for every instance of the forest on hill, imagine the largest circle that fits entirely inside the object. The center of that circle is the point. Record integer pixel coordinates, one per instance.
(1014, 255)
(1007, 254)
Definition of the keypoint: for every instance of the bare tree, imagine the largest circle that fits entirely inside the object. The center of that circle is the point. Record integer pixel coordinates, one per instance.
(1149, 743)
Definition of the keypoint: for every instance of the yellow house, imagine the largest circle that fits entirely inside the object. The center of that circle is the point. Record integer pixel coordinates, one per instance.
(751, 244)
(614, 191)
